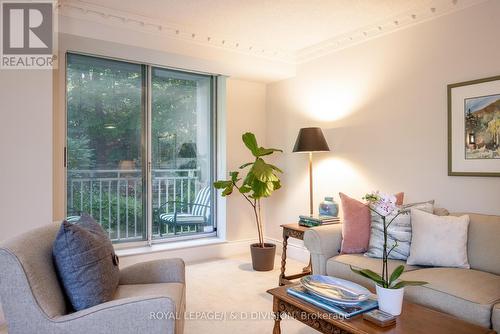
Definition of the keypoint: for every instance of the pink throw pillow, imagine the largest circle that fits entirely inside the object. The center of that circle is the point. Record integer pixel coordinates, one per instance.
(356, 224)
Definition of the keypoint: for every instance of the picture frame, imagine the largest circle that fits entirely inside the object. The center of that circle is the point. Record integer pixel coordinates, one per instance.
(474, 128)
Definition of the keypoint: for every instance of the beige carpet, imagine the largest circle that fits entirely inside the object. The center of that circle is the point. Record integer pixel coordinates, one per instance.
(219, 287)
(225, 287)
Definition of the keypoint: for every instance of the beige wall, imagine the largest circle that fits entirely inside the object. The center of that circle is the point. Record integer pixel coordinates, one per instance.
(246, 111)
(25, 150)
(382, 106)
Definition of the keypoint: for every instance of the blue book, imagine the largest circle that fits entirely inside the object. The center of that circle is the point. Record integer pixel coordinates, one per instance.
(346, 311)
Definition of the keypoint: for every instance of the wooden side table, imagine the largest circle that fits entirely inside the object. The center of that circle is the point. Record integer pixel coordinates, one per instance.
(294, 231)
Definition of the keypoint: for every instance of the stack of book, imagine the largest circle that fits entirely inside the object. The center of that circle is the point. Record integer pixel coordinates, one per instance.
(311, 221)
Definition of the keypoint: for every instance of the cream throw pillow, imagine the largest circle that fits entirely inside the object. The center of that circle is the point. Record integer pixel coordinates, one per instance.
(439, 241)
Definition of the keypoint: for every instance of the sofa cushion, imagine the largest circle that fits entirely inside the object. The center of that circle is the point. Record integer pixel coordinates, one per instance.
(399, 231)
(465, 293)
(356, 223)
(438, 241)
(86, 263)
(495, 318)
(483, 248)
(339, 266)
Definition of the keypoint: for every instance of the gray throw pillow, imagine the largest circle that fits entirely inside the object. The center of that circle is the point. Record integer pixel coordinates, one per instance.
(86, 263)
(399, 231)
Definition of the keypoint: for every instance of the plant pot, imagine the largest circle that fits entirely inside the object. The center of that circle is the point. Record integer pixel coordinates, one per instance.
(263, 257)
(390, 300)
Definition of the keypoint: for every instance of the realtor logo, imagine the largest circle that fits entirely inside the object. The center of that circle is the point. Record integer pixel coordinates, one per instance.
(27, 35)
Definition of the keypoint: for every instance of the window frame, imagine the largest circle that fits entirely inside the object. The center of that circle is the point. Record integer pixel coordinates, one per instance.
(216, 137)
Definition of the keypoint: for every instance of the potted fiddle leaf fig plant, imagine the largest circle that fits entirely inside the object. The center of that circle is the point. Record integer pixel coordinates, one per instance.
(261, 181)
(390, 289)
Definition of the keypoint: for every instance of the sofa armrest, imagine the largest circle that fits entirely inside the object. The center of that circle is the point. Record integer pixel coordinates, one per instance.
(157, 271)
(124, 316)
(323, 242)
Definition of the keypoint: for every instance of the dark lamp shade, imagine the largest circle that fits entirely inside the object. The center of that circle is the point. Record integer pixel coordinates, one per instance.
(311, 140)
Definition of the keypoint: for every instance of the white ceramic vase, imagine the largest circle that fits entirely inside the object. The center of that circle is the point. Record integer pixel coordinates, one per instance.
(390, 300)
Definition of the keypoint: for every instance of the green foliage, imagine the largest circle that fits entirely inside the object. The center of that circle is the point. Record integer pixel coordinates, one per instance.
(251, 143)
(261, 179)
(392, 283)
(109, 209)
(369, 274)
(402, 284)
(105, 115)
(396, 273)
(79, 156)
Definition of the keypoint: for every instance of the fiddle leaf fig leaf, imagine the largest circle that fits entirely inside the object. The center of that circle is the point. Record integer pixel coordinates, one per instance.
(276, 168)
(246, 165)
(251, 143)
(263, 172)
(261, 189)
(222, 184)
(245, 188)
(234, 176)
(266, 151)
(228, 190)
(227, 187)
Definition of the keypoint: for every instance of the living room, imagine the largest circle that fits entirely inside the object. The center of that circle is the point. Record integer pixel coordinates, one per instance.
(168, 134)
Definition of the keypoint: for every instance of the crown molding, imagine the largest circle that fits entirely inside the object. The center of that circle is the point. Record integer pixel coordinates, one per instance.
(81, 10)
(436, 8)
(432, 10)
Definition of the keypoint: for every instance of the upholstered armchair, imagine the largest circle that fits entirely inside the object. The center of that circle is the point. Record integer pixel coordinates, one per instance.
(149, 299)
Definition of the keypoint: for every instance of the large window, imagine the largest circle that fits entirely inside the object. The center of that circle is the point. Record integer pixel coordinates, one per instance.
(140, 149)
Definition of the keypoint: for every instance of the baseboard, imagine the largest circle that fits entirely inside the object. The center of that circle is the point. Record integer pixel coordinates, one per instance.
(194, 254)
(294, 250)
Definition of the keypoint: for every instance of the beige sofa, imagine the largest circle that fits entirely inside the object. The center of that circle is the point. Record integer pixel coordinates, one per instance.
(148, 296)
(471, 294)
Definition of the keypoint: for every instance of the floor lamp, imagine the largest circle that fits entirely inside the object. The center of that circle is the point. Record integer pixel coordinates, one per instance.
(310, 140)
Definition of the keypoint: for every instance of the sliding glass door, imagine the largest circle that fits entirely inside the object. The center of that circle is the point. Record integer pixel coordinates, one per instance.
(181, 141)
(139, 152)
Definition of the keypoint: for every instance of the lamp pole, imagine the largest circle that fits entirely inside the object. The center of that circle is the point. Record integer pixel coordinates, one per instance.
(311, 184)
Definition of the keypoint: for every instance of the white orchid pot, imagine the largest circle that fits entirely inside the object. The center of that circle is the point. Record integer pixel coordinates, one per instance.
(390, 300)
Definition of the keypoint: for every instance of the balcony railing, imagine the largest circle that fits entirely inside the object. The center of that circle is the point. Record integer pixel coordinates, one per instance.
(115, 199)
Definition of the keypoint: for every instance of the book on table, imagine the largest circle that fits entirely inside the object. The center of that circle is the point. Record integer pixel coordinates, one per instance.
(346, 311)
(317, 220)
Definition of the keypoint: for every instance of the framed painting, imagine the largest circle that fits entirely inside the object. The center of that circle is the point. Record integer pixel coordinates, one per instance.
(474, 128)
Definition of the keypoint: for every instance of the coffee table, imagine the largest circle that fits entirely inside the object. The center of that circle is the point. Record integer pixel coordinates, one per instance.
(415, 319)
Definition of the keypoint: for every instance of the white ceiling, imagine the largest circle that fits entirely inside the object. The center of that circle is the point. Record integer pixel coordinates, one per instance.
(288, 30)
(288, 25)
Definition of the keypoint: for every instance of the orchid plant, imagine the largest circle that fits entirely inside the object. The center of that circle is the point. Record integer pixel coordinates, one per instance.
(385, 205)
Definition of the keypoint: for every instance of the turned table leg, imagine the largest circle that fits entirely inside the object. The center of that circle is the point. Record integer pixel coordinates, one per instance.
(277, 316)
(283, 260)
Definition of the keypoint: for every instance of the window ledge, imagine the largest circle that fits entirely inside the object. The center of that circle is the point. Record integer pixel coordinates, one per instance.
(175, 245)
